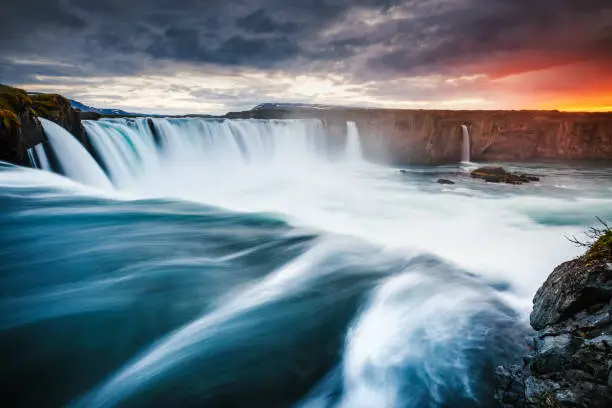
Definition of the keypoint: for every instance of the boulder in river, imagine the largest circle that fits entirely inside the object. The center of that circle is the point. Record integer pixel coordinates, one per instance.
(445, 181)
(500, 175)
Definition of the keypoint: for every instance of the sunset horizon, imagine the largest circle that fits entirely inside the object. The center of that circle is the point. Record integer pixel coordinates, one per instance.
(213, 57)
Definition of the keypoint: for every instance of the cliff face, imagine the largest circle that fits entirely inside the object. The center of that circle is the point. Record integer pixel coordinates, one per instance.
(20, 128)
(571, 363)
(424, 136)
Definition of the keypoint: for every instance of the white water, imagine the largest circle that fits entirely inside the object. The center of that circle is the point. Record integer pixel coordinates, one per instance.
(353, 143)
(41, 155)
(281, 166)
(38, 157)
(466, 147)
(412, 320)
(32, 158)
(74, 160)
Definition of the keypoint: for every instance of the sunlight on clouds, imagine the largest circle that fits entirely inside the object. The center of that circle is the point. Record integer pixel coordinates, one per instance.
(217, 91)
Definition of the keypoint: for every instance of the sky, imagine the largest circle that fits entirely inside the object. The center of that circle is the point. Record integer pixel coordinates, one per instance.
(214, 56)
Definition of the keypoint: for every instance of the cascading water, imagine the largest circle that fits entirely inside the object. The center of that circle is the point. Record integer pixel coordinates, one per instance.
(129, 150)
(235, 264)
(38, 157)
(74, 160)
(41, 156)
(465, 148)
(353, 143)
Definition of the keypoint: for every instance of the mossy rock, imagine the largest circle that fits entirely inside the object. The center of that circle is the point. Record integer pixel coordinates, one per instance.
(9, 121)
(500, 175)
(51, 106)
(601, 249)
(14, 99)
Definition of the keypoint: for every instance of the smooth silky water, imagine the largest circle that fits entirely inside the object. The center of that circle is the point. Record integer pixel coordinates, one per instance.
(217, 263)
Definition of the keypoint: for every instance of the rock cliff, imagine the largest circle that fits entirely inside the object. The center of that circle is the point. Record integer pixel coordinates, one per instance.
(571, 363)
(20, 128)
(432, 136)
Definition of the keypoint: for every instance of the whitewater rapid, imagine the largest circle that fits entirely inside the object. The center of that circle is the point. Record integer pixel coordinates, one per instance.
(282, 167)
(205, 262)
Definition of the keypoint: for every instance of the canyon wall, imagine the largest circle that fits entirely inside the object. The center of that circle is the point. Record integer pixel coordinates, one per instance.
(388, 136)
(431, 136)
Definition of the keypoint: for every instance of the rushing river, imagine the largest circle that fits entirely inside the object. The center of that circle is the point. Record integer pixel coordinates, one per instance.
(237, 264)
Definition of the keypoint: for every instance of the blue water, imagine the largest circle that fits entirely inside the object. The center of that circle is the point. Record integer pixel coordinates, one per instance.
(275, 284)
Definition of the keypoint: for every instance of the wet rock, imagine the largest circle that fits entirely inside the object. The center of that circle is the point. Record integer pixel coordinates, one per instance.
(571, 364)
(58, 109)
(500, 175)
(19, 127)
(445, 181)
(88, 115)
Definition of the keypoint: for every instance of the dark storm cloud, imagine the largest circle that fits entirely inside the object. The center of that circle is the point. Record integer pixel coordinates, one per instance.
(260, 22)
(369, 38)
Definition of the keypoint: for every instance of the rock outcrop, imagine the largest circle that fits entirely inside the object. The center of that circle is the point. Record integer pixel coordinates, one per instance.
(434, 136)
(20, 128)
(571, 364)
(500, 175)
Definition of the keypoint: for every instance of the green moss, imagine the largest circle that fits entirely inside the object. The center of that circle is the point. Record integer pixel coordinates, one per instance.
(601, 249)
(13, 99)
(9, 121)
(50, 106)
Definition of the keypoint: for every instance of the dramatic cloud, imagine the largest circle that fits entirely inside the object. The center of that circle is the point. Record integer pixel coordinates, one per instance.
(216, 55)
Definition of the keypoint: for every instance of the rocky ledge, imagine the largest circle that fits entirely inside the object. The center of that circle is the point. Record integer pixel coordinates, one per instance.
(20, 128)
(571, 361)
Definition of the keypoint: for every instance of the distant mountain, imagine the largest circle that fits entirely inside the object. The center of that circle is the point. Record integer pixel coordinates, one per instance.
(85, 108)
(272, 105)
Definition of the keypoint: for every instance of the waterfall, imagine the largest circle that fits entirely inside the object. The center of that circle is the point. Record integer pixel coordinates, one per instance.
(130, 150)
(41, 156)
(465, 148)
(353, 143)
(38, 157)
(74, 160)
(32, 158)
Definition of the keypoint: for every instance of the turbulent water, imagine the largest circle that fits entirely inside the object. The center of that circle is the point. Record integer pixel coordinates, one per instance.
(238, 264)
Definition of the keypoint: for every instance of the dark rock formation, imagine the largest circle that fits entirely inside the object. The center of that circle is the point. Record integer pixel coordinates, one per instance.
(571, 365)
(445, 181)
(432, 136)
(499, 175)
(88, 115)
(19, 127)
(58, 109)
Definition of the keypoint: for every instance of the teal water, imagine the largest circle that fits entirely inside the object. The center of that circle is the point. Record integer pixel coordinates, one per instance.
(310, 282)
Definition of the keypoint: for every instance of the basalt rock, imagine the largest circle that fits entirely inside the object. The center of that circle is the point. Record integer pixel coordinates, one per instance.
(19, 127)
(58, 109)
(571, 363)
(445, 181)
(499, 175)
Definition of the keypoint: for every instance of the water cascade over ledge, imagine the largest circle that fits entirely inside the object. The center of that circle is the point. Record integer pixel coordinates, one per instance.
(74, 160)
(465, 147)
(264, 263)
(353, 143)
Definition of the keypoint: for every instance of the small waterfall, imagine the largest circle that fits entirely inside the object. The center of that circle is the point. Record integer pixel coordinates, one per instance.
(74, 160)
(41, 155)
(465, 148)
(353, 143)
(38, 157)
(32, 158)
